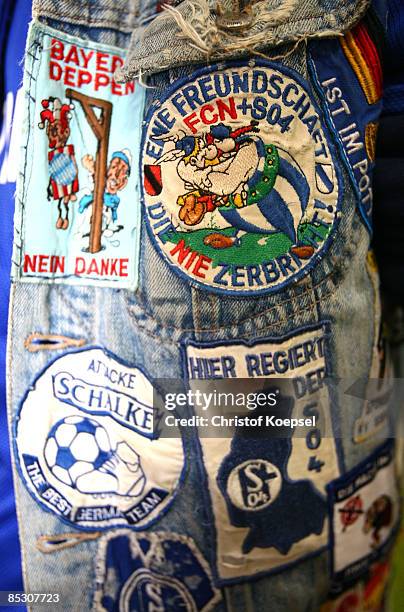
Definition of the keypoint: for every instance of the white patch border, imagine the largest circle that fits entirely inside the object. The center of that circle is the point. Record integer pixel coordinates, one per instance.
(112, 523)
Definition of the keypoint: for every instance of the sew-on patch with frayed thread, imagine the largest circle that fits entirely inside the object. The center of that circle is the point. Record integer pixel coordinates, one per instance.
(240, 185)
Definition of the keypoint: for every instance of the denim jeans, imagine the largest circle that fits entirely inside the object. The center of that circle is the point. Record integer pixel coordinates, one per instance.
(279, 284)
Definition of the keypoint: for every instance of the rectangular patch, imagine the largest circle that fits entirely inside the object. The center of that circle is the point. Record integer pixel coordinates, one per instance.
(78, 206)
(255, 485)
(364, 509)
(347, 74)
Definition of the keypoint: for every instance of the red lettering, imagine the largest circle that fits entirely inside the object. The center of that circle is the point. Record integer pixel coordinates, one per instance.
(200, 265)
(116, 88)
(43, 263)
(84, 78)
(80, 265)
(117, 62)
(93, 268)
(86, 57)
(104, 267)
(191, 121)
(113, 267)
(205, 109)
(69, 76)
(190, 261)
(183, 253)
(56, 50)
(55, 71)
(29, 263)
(102, 61)
(230, 109)
(72, 56)
(181, 250)
(130, 87)
(101, 80)
(123, 270)
(57, 264)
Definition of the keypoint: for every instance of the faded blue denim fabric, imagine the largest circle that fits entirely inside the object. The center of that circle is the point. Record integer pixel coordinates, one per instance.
(198, 548)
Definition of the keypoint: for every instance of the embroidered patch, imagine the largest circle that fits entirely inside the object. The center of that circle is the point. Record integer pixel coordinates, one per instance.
(348, 75)
(364, 507)
(78, 203)
(86, 448)
(152, 571)
(255, 484)
(240, 185)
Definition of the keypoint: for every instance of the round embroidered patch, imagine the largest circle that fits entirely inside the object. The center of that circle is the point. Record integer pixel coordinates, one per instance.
(86, 446)
(240, 186)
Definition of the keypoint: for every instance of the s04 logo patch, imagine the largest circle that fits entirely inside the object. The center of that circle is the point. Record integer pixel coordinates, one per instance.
(267, 495)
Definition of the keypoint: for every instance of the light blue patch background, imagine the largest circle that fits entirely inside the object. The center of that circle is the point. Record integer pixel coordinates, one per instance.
(36, 216)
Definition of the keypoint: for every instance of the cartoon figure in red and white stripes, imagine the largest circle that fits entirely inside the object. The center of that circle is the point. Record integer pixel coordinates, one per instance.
(63, 173)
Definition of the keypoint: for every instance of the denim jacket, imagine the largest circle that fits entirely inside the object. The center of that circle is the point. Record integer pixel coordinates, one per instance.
(239, 143)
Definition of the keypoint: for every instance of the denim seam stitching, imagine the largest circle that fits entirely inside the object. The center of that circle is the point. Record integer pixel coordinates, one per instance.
(23, 178)
(43, 12)
(259, 331)
(80, 20)
(344, 265)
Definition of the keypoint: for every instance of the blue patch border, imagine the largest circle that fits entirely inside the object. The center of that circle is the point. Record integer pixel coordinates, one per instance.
(340, 582)
(330, 142)
(219, 581)
(14, 431)
(316, 83)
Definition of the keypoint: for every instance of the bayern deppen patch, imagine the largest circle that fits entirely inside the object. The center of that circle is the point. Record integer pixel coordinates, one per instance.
(87, 447)
(240, 184)
(78, 201)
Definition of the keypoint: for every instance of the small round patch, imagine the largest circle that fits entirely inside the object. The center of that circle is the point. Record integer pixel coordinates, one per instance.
(240, 186)
(86, 445)
(254, 484)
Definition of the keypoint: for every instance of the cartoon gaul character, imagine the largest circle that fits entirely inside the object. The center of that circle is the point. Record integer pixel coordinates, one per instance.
(63, 173)
(117, 178)
(246, 179)
(379, 515)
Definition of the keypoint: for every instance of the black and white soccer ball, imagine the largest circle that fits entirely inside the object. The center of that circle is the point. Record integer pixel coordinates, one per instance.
(76, 446)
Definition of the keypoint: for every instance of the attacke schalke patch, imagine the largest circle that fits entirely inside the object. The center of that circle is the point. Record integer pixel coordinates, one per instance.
(239, 180)
(86, 447)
